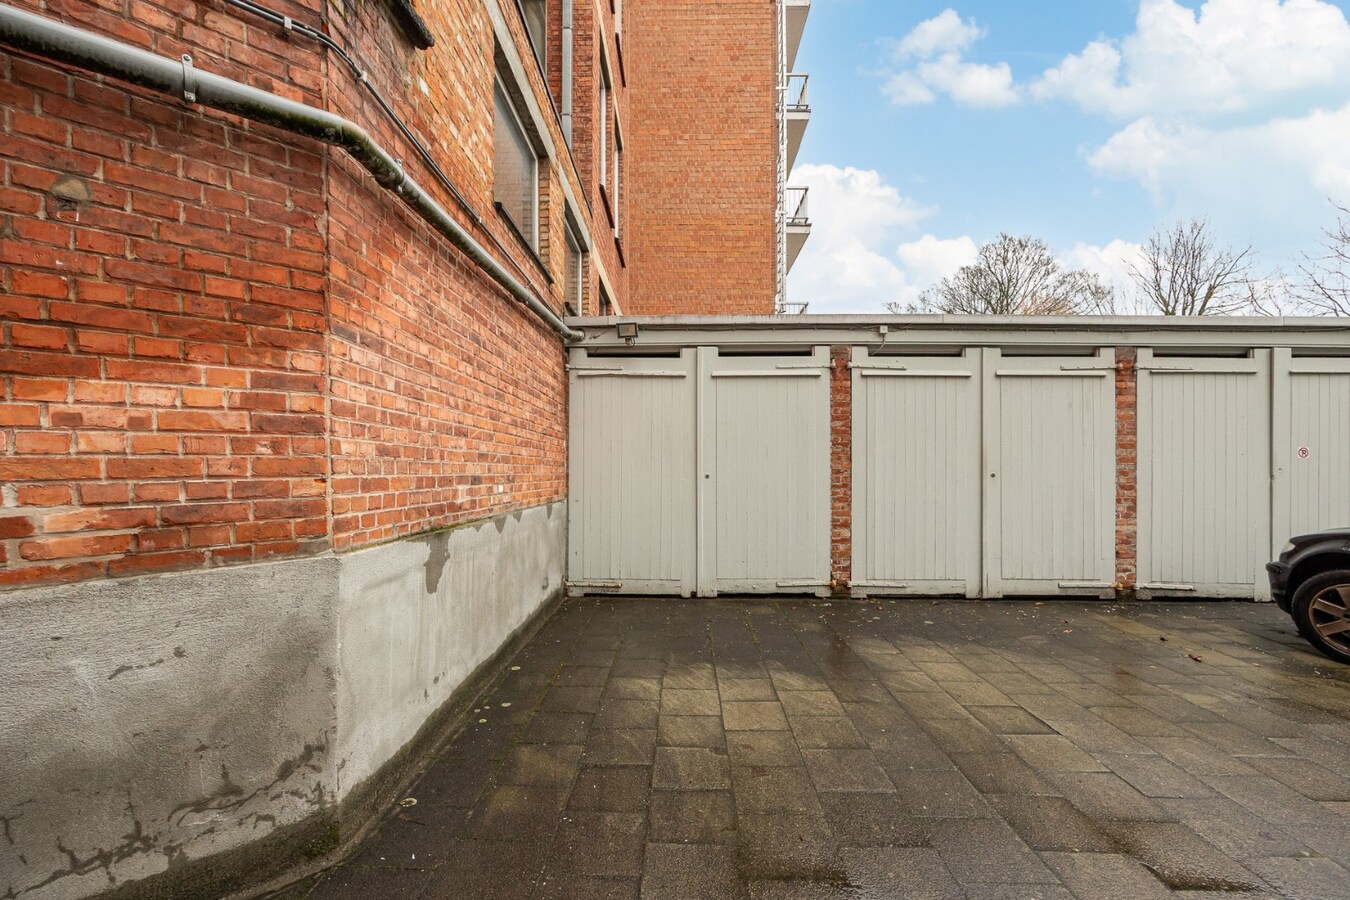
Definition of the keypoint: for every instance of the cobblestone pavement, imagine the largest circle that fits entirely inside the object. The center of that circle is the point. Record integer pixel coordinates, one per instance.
(683, 749)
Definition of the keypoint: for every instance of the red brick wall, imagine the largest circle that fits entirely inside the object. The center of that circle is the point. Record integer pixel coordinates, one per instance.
(162, 311)
(841, 466)
(234, 314)
(448, 396)
(596, 35)
(703, 145)
(448, 399)
(1127, 445)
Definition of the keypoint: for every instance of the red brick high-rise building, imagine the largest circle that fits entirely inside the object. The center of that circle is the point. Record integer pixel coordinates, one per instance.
(708, 166)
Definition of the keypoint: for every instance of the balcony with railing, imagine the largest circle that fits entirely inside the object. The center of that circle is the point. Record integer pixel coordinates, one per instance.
(797, 105)
(796, 220)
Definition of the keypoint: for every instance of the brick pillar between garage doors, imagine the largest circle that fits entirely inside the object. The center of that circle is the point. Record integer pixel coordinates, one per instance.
(841, 468)
(1127, 454)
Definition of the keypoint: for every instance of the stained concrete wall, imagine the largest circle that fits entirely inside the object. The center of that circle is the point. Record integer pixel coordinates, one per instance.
(149, 723)
(151, 720)
(418, 616)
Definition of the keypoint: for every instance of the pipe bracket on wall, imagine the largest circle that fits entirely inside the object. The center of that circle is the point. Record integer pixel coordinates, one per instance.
(189, 80)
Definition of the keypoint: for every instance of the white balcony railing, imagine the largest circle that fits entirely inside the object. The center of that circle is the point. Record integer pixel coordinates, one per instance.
(796, 98)
(794, 206)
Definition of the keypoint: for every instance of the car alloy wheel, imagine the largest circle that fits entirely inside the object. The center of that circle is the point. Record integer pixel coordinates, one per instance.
(1329, 613)
(1321, 610)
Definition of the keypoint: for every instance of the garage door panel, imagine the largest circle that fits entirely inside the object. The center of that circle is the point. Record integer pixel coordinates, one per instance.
(631, 497)
(1050, 434)
(1204, 475)
(1055, 475)
(770, 473)
(916, 475)
(1319, 422)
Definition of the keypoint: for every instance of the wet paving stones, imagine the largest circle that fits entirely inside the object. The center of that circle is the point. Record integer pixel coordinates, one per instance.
(763, 748)
(797, 749)
(826, 732)
(693, 817)
(691, 731)
(753, 715)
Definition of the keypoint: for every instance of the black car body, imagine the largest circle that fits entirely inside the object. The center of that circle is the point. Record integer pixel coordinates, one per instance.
(1305, 556)
(1311, 582)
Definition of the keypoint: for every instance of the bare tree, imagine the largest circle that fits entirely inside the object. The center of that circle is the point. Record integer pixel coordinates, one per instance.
(1016, 276)
(1184, 273)
(1326, 288)
(1272, 295)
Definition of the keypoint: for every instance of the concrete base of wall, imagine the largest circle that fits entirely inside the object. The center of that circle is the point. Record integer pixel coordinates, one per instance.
(184, 735)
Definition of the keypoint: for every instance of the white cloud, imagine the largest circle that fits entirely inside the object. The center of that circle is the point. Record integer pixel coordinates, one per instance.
(857, 199)
(908, 89)
(1270, 168)
(1145, 151)
(944, 33)
(971, 84)
(1112, 261)
(935, 55)
(930, 259)
(1238, 110)
(1112, 264)
(1227, 56)
(852, 262)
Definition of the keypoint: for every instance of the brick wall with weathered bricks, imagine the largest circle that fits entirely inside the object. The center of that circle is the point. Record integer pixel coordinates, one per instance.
(222, 343)
(1127, 478)
(841, 466)
(703, 150)
(162, 310)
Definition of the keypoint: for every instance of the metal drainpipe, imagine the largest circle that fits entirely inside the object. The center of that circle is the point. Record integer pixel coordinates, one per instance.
(75, 46)
(567, 36)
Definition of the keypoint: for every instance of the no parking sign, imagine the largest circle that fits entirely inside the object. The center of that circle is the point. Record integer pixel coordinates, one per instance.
(1304, 453)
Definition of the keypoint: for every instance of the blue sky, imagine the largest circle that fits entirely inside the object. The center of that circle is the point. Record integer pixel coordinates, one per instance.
(937, 125)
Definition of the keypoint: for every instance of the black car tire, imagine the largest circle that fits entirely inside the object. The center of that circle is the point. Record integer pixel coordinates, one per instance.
(1313, 620)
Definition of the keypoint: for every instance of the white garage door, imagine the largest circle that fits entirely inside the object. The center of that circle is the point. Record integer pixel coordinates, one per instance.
(765, 424)
(1312, 445)
(916, 474)
(699, 474)
(1051, 470)
(631, 495)
(984, 475)
(1204, 475)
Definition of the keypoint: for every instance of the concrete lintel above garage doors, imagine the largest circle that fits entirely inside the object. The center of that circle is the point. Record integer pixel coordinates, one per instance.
(1207, 334)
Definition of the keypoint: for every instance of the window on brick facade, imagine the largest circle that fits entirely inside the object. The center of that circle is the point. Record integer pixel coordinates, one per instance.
(618, 17)
(515, 181)
(616, 173)
(572, 285)
(604, 121)
(536, 23)
(606, 304)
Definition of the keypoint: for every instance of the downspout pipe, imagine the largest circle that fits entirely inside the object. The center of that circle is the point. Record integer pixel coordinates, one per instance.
(180, 78)
(567, 50)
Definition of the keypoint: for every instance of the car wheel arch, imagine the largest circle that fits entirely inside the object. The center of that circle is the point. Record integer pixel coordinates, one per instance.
(1316, 563)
